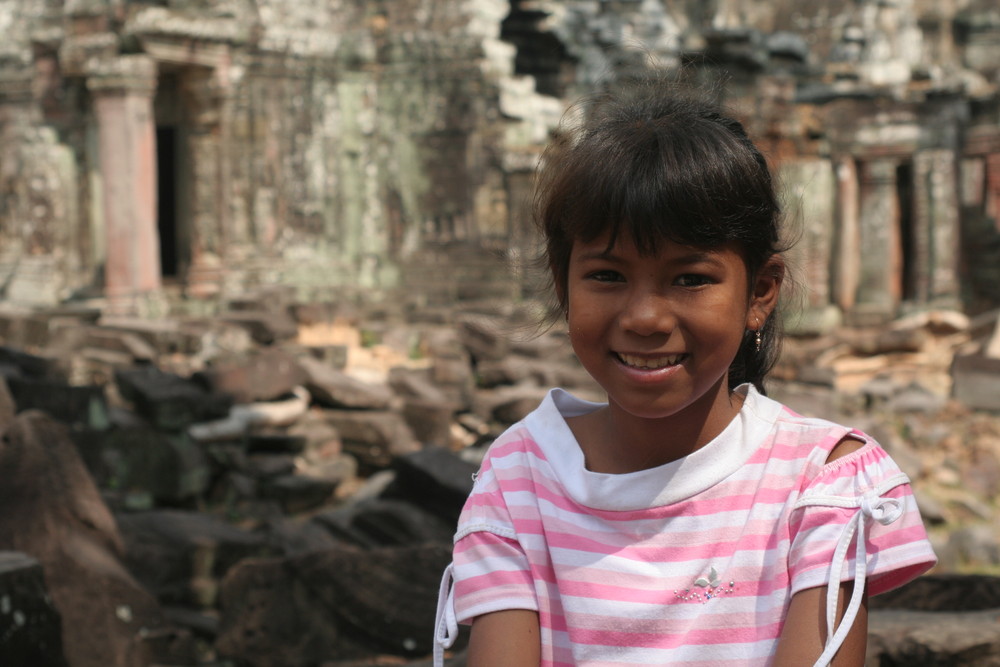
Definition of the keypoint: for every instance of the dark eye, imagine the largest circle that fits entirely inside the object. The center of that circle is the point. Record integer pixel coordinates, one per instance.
(692, 280)
(606, 276)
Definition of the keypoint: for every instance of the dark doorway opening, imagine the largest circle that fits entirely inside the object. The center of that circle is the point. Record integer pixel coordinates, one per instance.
(166, 175)
(909, 244)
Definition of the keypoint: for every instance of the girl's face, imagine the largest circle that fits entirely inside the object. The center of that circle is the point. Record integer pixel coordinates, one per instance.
(659, 332)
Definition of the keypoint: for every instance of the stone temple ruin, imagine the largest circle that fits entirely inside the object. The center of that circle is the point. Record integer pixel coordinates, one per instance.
(155, 148)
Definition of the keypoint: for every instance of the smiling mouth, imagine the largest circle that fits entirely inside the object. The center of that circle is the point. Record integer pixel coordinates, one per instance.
(650, 363)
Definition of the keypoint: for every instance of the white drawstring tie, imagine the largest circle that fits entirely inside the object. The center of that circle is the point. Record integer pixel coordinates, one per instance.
(872, 506)
(445, 623)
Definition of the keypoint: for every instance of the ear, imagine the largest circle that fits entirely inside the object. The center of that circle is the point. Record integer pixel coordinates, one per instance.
(765, 291)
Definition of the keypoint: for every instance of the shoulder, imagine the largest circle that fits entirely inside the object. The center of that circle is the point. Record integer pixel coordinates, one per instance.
(543, 435)
(825, 449)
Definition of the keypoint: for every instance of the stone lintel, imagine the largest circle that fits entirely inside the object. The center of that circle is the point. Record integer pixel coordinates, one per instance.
(879, 168)
(78, 51)
(185, 50)
(124, 74)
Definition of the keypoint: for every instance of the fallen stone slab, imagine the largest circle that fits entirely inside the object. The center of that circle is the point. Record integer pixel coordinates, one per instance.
(332, 388)
(385, 522)
(943, 592)
(333, 605)
(32, 626)
(120, 341)
(934, 638)
(164, 336)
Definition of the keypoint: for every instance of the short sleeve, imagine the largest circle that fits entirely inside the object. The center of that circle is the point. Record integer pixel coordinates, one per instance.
(866, 491)
(490, 569)
(491, 574)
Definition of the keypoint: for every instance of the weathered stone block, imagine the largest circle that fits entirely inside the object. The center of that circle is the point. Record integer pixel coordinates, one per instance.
(32, 627)
(266, 375)
(934, 638)
(277, 442)
(484, 337)
(53, 511)
(430, 421)
(297, 493)
(47, 366)
(976, 381)
(374, 437)
(508, 405)
(331, 388)
(169, 401)
(434, 478)
(332, 605)
(73, 405)
(265, 327)
(168, 468)
(182, 556)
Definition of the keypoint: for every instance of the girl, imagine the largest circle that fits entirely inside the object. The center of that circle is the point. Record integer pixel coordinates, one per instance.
(689, 520)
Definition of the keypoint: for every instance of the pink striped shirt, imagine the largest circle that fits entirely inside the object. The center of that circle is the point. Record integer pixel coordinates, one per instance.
(691, 563)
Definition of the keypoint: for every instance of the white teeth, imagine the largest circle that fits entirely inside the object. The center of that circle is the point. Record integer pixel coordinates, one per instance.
(650, 362)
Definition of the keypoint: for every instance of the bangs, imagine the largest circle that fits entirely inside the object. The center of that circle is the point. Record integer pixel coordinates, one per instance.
(657, 181)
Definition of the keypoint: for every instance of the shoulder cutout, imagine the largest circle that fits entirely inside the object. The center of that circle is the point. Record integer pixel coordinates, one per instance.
(847, 445)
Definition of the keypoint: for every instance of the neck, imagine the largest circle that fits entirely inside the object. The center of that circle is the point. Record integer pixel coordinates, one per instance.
(615, 442)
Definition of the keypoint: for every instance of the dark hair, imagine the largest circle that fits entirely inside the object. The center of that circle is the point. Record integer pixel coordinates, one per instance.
(660, 164)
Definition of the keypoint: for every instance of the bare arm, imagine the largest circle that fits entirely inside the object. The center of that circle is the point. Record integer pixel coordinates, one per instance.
(804, 634)
(508, 638)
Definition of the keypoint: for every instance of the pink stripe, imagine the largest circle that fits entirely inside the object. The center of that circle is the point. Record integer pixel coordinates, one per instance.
(733, 635)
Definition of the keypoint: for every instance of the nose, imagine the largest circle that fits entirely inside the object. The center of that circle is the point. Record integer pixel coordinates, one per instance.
(647, 313)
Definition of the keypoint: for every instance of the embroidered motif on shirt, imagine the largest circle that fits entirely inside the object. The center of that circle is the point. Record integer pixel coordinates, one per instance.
(705, 588)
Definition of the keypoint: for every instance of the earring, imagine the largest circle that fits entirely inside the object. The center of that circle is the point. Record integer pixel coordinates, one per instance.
(758, 337)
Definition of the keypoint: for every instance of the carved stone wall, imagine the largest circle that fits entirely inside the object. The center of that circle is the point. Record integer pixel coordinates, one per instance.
(335, 145)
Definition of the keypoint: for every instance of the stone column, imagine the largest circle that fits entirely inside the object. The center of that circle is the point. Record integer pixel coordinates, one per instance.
(808, 195)
(879, 282)
(993, 188)
(123, 90)
(936, 228)
(207, 180)
(846, 259)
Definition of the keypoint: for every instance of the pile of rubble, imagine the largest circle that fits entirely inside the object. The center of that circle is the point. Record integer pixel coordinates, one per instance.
(277, 484)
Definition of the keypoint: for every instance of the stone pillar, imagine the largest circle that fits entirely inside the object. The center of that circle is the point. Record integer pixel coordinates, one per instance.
(207, 180)
(936, 228)
(846, 260)
(808, 195)
(123, 106)
(993, 188)
(879, 282)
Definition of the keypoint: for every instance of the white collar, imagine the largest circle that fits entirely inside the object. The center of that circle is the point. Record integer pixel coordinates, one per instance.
(653, 487)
